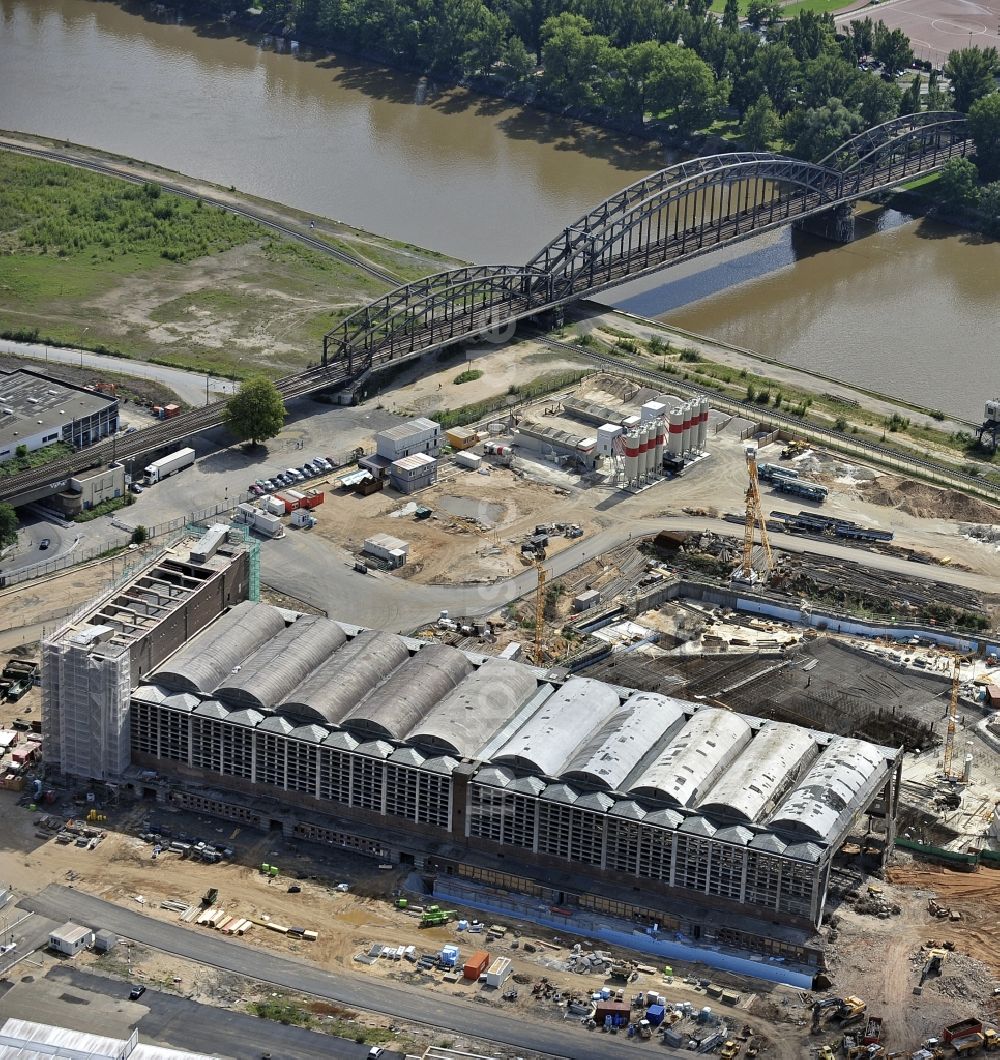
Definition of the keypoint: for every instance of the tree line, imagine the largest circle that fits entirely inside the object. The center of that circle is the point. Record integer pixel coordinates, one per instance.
(796, 83)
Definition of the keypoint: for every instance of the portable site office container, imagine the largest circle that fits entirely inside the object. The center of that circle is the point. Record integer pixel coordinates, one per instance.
(499, 972)
(70, 939)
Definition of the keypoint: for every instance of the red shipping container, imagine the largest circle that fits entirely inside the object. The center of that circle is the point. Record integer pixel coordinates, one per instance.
(313, 499)
(476, 965)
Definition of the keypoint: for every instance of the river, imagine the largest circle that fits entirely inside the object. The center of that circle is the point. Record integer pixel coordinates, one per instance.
(910, 307)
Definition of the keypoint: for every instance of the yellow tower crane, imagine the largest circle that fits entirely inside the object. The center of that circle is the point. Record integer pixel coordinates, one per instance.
(539, 614)
(949, 740)
(754, 517)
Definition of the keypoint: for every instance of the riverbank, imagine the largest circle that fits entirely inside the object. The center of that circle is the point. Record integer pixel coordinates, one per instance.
(200, 277)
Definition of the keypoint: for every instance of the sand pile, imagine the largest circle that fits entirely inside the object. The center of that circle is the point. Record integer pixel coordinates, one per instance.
(928, 502)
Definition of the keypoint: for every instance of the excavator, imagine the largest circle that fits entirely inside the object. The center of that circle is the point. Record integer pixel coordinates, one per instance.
(846, 1010)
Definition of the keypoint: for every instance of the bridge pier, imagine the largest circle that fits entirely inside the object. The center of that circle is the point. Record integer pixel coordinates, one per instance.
(835, 225)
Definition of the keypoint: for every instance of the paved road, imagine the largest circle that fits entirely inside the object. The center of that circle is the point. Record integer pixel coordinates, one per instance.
(408, 1003)
(188, 386)
(68, 996)
(301, 565)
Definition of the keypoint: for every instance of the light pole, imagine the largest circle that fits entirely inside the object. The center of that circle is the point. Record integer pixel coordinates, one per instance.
(82, 333)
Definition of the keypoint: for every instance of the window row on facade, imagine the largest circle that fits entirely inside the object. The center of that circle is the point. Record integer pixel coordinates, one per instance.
(696, 863)
(341, 777)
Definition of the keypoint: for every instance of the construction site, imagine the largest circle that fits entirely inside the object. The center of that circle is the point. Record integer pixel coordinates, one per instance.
(722, 773)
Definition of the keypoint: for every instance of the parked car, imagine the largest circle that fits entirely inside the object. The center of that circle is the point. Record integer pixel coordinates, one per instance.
(136, 488)
(270, 484)
(307, 471)
(136, 992)
(255, 490)
(375, 1052)
(323, 463)
(294, 474)
(44, 544)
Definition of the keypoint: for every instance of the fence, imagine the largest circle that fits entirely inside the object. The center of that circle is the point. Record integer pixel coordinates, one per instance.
(969, 861)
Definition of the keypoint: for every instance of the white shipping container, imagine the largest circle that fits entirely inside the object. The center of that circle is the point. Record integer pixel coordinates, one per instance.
(499, 972)
(468, 460)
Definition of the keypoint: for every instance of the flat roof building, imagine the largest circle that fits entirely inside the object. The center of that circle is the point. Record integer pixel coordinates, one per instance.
(26, 1040)
(36, 411)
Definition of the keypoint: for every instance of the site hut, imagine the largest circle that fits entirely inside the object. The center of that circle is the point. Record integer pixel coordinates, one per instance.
(104, 941)
(392, 550)
(36, 411)
(413, 473)
(482, 771)
(70, 939)
(415, 436)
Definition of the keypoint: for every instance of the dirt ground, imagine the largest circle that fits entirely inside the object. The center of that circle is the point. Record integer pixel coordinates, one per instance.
(928, 502)
(474, 535)
(882, 960)
(120, 869)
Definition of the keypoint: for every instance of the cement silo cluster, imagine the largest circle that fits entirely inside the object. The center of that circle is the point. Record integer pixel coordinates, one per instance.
(662, 435)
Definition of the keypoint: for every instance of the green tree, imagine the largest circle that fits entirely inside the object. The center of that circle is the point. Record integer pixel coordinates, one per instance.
(971, 72)
(828, 77)
(909, 102)
(935, 97)
(731, 16)
(878, 101)
(761, 124)
(256, 412)
(984, 121)
(892, 49)
(777, 72)
(762, 13)
(8, 524)
(958, 182)
(863, 34)
(809, 35)
(989, 206)
(820, 129)
(140, 535)
(518, 61)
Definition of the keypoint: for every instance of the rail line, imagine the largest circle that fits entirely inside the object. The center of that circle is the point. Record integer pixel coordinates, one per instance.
(175, 189)
(835, 439)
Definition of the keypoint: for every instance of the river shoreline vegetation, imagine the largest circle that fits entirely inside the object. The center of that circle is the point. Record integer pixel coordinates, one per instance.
(131, 270)
(699, 74)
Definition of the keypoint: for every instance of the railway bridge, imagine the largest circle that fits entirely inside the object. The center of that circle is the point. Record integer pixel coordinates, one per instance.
(679, 213)
(674, 215)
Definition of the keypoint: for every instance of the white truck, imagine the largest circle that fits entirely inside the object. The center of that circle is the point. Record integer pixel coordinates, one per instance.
(167, 466)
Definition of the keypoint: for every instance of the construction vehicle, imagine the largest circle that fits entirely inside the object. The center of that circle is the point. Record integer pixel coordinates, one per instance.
(730, 1049)
(745, 572)
(401, 903)
(435, 916)
(933, 964)
(644, 1030)
(991, 1040)
(873, 1030)
(968, 1045)
(850, 1010)
(793, 448)
(826, 1053)
(819, 1007)
(753, 1047)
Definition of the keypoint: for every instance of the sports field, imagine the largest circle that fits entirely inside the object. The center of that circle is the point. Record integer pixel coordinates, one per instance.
(936, 27)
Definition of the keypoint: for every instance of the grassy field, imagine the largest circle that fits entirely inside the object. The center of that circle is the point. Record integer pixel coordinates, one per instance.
(98, 262)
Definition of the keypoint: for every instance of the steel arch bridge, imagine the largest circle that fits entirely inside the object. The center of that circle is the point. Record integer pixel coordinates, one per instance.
(682, 211)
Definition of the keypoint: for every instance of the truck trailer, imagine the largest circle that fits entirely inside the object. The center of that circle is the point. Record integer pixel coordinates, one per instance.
(167, 466)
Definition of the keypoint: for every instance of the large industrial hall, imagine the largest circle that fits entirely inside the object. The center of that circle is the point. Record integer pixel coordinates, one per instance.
(478, 766)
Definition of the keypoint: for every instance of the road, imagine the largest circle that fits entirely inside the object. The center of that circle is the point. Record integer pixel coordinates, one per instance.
(188, 386)
(393, 999)
(301, 566)
(67, 996)
(32, 530)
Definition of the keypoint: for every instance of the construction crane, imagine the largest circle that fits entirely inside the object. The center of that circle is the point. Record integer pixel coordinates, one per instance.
(949, 740)
(539, 614)
(755, 517)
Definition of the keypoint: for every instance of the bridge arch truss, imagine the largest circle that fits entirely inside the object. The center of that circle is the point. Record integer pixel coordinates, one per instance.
(671, 216)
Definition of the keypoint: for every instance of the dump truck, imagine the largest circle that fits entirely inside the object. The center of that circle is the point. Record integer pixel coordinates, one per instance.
(968, 1044)
(873, 1030)
(962, 1028)
(730, 1049)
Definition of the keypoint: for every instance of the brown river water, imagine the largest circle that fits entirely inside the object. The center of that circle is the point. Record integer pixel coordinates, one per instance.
(911, 307)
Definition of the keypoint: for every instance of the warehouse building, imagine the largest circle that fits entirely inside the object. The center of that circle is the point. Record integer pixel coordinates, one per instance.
(36, 411)
(626, 802)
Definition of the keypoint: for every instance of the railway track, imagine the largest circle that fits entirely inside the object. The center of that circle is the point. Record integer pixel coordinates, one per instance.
(241, 211)
(836, 439)
(159, 435)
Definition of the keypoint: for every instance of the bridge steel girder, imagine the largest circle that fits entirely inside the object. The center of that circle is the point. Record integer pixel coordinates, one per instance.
(634, 233)
(433, 311)
(847, 155)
